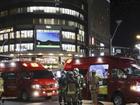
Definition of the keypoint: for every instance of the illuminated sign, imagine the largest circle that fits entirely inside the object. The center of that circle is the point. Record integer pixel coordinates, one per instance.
(48, 40)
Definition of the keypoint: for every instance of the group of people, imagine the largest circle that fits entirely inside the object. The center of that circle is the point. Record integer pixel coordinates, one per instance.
(71, 84)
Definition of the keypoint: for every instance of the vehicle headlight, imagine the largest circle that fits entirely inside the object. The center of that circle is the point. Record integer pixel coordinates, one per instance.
(135, 88)
(35, 93)
(56, 85)
(36, 86)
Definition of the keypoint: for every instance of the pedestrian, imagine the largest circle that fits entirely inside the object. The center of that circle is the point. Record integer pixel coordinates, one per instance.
(94, 87)
(1, 88)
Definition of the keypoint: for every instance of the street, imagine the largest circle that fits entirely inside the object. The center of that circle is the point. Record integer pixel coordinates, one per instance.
(33, 102)
(42, 102)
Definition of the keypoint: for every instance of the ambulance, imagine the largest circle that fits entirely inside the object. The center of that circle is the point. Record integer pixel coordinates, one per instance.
(119, 77)
(27, 79)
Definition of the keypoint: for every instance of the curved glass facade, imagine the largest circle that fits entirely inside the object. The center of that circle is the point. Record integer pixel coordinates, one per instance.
(44, 26)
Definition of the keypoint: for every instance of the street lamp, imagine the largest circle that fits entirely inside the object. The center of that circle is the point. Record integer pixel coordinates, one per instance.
(138, 37)
(118, 22)
(137, 45)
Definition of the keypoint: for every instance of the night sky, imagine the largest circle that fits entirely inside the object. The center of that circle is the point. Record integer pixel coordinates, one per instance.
(129, 12)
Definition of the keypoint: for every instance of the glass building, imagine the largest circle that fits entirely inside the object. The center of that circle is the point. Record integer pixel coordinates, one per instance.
(48, 30)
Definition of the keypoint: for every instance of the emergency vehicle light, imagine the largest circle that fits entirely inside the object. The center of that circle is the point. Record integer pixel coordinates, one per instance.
(34, 65)
(77, 61)
(100, 60)
(2, 65)
(24, 64)
(69, 61)
(13, 64)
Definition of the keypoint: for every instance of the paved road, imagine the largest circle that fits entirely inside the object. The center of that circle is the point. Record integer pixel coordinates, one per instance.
(33, 102)
(42, 102)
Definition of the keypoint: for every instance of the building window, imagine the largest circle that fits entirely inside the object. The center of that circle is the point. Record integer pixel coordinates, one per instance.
(53, 21)
(82, 6)
(1, 48)
(68, 47)
(5, 36)
(26, 33)
(11, 47)
(17, 34)
(3, 13)
(24, 46)
(11, 34)
(80, 36)
(68, 35)
(1, 36)
(43, 9)
(5, 48)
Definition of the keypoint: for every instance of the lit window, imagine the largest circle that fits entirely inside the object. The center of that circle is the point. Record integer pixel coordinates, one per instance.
(82, 6)
(11, 35)
(1, 36)
(3, 13)
(27, 34)
(5, 36)
(24, 46)
(68, 35)
(6, 48)
(17, 34)
(11, 47)
(68, 47)
(71, 23)
(80, 36)
(1, 48)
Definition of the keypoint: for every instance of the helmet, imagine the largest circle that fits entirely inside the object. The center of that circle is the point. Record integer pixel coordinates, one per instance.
(76, 71)
(70, 74)
(63, 73)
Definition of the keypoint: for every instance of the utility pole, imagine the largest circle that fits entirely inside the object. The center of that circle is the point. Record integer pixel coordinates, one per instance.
(114, 33)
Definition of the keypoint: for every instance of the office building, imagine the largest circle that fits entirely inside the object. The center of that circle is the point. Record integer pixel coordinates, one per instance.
(49, 31)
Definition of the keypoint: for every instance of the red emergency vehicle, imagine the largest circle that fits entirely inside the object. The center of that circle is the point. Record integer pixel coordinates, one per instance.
(27, 79)
(119, 77)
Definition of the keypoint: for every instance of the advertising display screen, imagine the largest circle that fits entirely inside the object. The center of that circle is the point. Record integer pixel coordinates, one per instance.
(48, 39)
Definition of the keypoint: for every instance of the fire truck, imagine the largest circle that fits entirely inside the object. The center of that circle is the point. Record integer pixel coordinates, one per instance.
(119, 77)
(27, 79)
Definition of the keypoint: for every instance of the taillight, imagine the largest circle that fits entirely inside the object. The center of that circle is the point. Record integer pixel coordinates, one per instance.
(24, 64)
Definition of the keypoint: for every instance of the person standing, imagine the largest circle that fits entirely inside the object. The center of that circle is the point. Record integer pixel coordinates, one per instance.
(62, 87)
(94, 86)
(1, 88)
(72, 89)
(81, 83)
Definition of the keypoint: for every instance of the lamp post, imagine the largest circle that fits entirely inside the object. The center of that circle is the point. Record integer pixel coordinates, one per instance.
(137, 46)
(118, 22)
(138, 36)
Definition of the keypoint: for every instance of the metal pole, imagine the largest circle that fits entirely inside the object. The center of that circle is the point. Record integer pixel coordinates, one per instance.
(112, 37)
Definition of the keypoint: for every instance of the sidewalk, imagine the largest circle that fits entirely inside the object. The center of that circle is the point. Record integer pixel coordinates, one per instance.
(89, 102)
